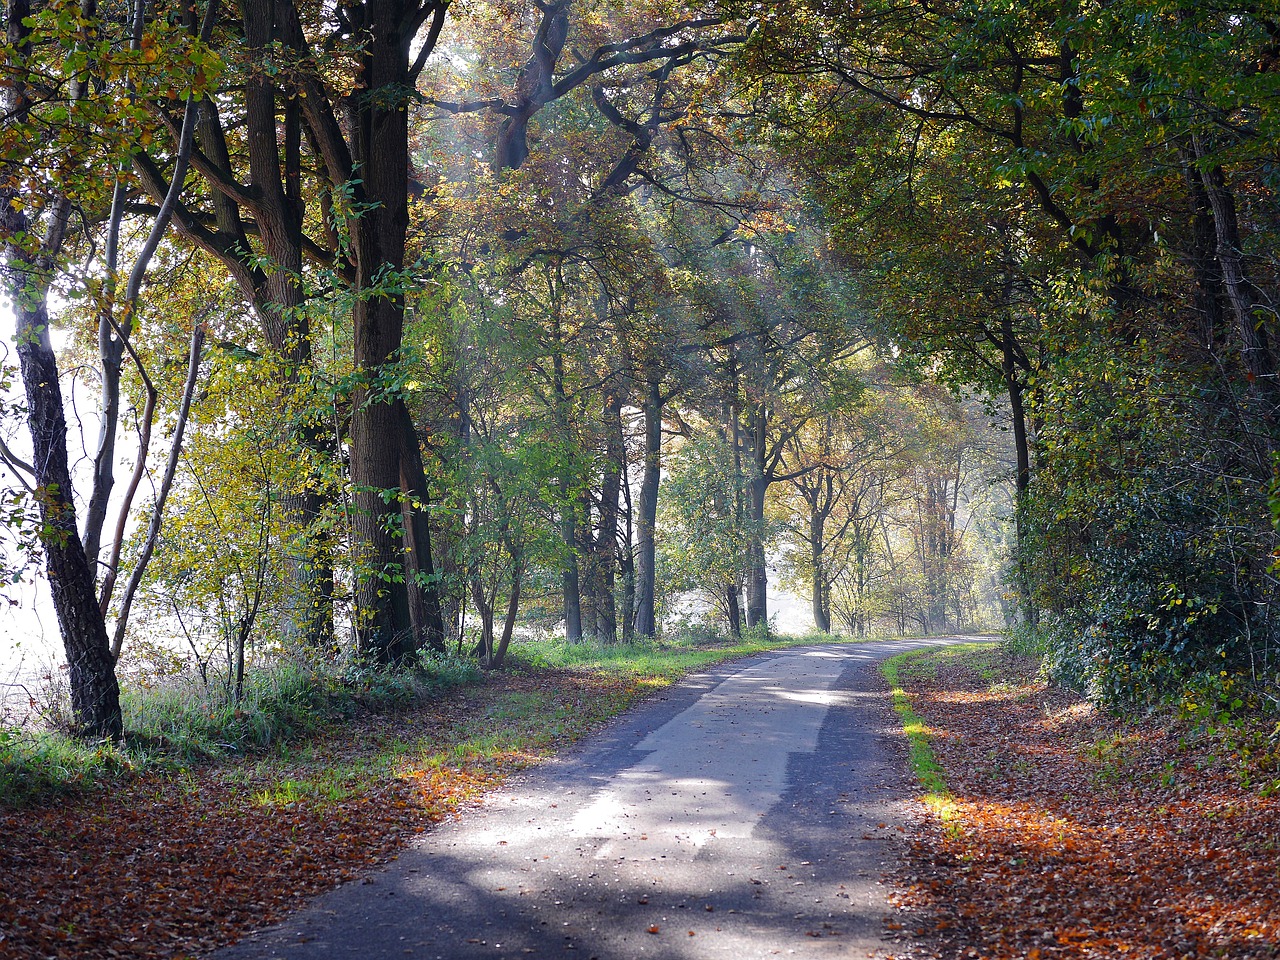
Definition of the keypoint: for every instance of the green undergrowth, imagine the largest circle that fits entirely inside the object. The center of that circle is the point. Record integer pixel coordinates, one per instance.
(280, 702)
(176, 721)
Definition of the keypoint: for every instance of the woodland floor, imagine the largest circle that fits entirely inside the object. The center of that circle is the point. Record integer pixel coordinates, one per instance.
(174, 866)
(1071, 834)
(1074, 834)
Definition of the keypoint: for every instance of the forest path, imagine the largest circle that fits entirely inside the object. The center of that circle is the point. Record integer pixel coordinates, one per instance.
(745, 813)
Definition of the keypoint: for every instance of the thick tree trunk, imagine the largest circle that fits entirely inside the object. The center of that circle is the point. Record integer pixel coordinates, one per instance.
(95, 694)
(380, 152)
(274, 156)
(646, 552)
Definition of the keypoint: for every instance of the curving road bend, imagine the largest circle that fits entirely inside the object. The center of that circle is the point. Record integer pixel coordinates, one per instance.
(746, 813)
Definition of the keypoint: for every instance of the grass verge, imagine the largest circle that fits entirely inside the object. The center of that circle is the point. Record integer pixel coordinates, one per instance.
(937, 795)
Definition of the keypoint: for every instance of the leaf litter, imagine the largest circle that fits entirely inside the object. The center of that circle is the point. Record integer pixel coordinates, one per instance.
(178, 865)
(1073, 834)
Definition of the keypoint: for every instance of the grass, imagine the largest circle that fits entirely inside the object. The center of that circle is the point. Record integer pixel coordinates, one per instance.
(281, 701)
(659, 662)
(180, 721)
(924, 664)
(39, 765)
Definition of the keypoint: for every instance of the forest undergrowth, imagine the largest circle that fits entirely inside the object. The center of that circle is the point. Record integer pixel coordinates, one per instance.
(1071, 833)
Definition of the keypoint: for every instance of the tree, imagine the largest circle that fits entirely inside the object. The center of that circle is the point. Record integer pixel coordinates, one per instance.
(256, 223)
(706, 536)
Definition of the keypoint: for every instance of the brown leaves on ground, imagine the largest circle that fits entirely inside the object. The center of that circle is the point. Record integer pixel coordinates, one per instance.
(1077, 835)
(174, 866)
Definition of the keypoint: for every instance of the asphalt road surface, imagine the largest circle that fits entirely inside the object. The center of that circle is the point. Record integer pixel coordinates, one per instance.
(747, 813)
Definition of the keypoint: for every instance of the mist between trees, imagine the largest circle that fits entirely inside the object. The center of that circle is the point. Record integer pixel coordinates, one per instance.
(434, 326)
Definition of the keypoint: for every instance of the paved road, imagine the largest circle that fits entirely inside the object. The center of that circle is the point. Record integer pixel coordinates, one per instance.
(742, 815)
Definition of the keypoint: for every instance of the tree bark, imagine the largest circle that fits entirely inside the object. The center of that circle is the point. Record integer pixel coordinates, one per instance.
(425, 611)
(627, 558)
(570, 586)
(734, 610)
(95, 693)
(1022, 454)
(605, 546)
(379, 159)
(499, 654)
(646, 552)
(1255, 347)
(757, 571)
(821, 611)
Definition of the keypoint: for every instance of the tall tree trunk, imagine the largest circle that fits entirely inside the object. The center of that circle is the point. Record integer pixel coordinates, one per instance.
(95, 693)
(821, 612)
(499, 653)
(757, 572)
(605, 547)
(627, 557)
(424, 594)
(1208, 293)
(380, 152)
(274, 156)
(589, 572)
(1255, 347)
(1022, 454)
(570, 585)
(646, 551)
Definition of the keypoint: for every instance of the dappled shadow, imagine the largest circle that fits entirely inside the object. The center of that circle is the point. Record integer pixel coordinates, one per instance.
(751, 821)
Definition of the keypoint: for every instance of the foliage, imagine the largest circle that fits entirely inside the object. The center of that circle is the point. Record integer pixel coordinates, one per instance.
(1085, 231)
(1145, 516)
(706, 529)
